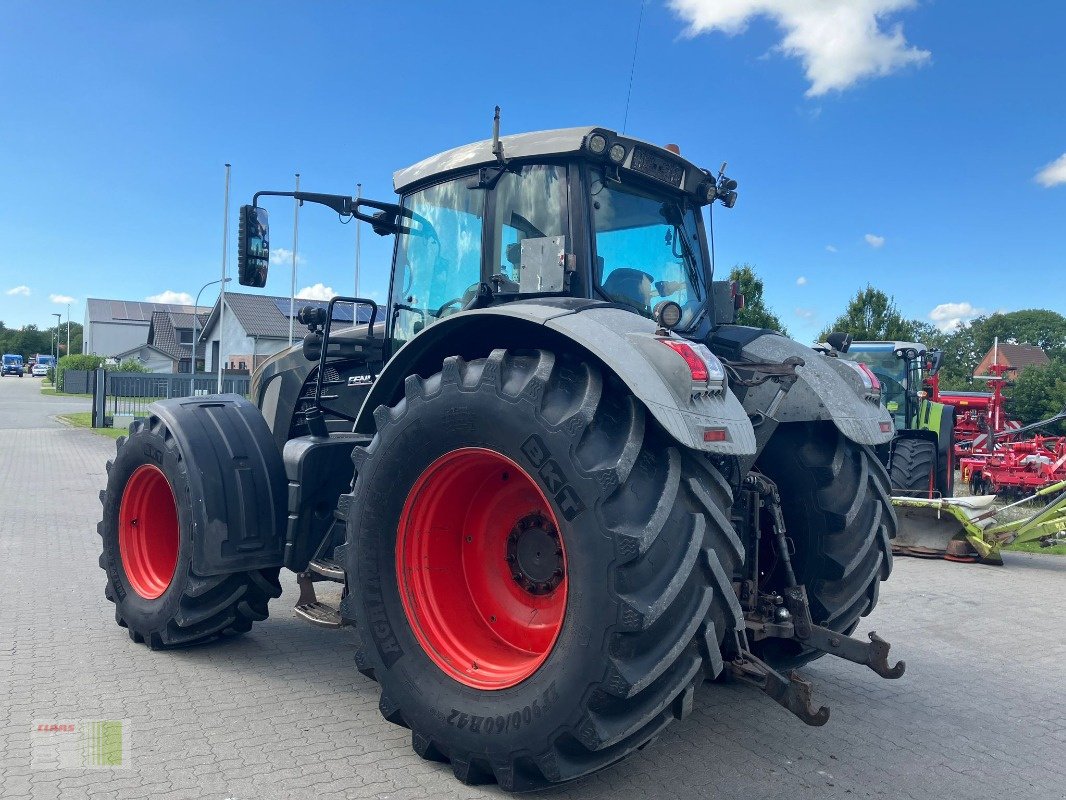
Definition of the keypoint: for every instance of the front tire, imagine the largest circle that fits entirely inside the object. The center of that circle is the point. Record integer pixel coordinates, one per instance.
(147, 536)
(913, 467)
(631, 624)
(838, 511)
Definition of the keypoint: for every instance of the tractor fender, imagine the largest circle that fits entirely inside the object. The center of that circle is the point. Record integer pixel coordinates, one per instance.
(826, 390)
(622, 341)
(236, 478)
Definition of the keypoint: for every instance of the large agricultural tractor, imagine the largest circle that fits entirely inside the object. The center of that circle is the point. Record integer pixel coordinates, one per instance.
(920, 457)
(559, 487)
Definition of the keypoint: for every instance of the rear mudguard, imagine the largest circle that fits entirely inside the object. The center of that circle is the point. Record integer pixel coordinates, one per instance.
(621, 341)
(826, 389)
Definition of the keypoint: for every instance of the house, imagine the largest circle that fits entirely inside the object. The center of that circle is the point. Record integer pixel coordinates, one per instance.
(151, 358)
(171, 332)
(256, 327)
(115, 327)
(1018, 356)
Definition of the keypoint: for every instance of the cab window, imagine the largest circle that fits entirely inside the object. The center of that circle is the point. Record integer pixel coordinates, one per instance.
(530, 208)
(438, 256)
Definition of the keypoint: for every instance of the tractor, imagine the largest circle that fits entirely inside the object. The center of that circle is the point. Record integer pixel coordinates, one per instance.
(920, 457)
(558, 486)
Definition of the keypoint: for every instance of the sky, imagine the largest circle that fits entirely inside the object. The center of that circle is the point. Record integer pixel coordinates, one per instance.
(918, 145)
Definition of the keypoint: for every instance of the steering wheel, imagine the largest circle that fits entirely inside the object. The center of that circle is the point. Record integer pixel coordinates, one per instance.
(455, 301)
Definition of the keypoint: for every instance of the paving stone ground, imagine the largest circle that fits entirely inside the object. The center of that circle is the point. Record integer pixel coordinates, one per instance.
(282, 712)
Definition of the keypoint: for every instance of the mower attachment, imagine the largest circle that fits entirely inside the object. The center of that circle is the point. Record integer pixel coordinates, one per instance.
(965, 528)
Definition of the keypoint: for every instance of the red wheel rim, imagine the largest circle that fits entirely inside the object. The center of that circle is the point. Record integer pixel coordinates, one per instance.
(148, 531)
(481, 568)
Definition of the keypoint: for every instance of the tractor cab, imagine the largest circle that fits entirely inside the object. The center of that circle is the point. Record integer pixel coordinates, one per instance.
(902, 369)
(573, 213)
(920, 457)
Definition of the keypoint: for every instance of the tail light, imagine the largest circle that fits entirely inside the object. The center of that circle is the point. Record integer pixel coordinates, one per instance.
(706, 370)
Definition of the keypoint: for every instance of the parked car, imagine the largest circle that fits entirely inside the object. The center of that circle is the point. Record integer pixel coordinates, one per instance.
(12, 365)
(40, 370)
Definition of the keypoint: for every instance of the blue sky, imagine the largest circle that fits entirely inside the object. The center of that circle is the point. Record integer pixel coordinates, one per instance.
(901, 147)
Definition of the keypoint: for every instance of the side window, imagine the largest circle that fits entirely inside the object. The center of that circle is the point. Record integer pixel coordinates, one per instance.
(530, 204)
(438, 257)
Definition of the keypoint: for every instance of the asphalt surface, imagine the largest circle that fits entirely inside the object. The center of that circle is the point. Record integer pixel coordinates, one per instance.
(282, 713)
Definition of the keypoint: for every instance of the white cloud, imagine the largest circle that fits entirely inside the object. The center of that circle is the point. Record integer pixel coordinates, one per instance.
(840, 42)
(801, 281)
(948, 316)
(283, 255)
(830, 248)
(172, 298)
(806, 313)
(22, 290)
(317, 292)
(1054, 173)
(874, 241)
(62, 299)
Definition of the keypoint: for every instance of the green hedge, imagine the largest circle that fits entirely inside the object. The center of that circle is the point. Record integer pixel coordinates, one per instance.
(78, 361)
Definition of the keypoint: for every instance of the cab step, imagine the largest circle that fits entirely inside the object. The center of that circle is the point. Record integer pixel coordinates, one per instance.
(328, 569)
(310, 608)
(320, 614)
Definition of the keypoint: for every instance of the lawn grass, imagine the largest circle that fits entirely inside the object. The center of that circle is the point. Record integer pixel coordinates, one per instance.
(1034, 547)
(84, 419)
(49, 389)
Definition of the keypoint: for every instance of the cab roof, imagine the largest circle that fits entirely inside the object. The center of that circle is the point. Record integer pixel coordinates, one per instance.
(562, 141)
(860, 346)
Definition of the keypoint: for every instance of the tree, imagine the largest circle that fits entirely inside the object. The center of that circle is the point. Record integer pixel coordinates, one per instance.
(966, 345)
(755, 312)
(1039, 393)
(872, 315)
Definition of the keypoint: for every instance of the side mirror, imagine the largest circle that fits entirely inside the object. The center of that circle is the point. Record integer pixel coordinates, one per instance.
(253, 247)
(936, 360)
(839, 341)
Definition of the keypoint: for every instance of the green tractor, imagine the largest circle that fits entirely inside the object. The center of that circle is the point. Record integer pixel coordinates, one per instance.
(554, 485)
(920, 457)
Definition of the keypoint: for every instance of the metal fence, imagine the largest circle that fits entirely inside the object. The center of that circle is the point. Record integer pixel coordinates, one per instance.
(130, 393)
(77, 381)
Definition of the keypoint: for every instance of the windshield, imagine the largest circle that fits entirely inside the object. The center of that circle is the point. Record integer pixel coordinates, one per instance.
(647, 249)
(892, 372)
(12, 359)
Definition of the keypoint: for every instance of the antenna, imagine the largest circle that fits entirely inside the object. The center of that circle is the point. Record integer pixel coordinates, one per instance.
(633, 66)
(497, 145)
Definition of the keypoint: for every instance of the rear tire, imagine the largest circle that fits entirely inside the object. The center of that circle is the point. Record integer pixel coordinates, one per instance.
(649, 552)
(838, 512)
(147, 550)
(913, 467)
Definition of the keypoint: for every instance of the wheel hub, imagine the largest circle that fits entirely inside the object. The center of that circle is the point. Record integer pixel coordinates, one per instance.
(535, 554)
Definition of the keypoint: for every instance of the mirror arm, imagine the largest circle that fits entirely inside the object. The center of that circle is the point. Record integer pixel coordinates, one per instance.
(346, 206)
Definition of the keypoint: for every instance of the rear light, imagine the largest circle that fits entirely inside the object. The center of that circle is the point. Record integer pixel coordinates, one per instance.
(886, 427)
(695, 363)
(869, 380)
(716, 434)
(875, 384)
(706, 370)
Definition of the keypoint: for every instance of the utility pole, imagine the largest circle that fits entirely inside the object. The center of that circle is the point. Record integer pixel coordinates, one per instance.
(295, 245)
(68, 329)
(222, 286)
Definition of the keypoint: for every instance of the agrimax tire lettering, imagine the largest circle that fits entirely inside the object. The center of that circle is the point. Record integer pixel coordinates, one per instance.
(377, 618)
(553, 476)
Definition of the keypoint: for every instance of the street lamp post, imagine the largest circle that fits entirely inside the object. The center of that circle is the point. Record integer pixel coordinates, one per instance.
(55, 365)
(196, 316)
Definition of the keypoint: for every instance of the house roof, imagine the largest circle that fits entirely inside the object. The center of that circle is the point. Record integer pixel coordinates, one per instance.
(262, 317)
(163, 333)
(125, 353)
(1019, 356)
(133, 312)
